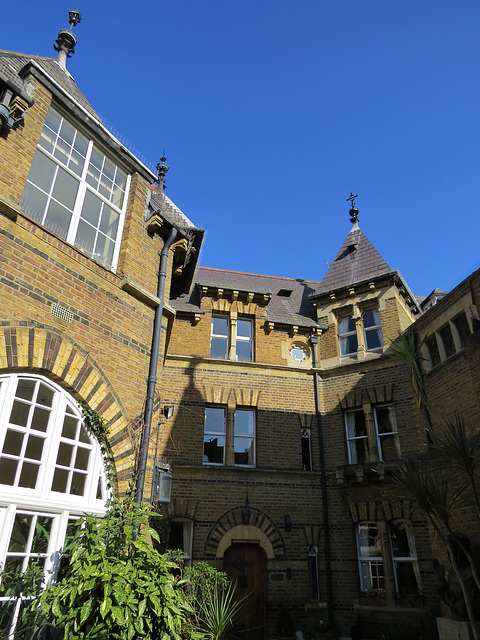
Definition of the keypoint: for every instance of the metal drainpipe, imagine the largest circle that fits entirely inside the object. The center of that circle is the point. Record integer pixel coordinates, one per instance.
(323, 479)
(152, 373)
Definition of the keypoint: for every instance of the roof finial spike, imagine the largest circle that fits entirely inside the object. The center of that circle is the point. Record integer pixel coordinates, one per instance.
(162, 169)
(353, 210)
(66, 41)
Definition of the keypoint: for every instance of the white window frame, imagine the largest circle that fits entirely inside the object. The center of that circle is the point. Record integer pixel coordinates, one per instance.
(389, 434)
(375, 327)
(187, 534)
(231, 436)
(352, 440)
(344, 335)
(41, 500)
(83, 188)
(211, 433)
(370, 580)
(231, 337)
(241, 436)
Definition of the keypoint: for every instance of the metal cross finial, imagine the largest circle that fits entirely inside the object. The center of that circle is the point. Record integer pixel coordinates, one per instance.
(352, 199)
(74, 17)
(353, 209)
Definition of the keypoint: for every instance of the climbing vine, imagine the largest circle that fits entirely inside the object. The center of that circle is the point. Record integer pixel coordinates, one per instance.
(96, 425)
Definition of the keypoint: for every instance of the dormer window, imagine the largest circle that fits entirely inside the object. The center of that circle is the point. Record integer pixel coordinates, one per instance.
(285, 293)
(76, 191)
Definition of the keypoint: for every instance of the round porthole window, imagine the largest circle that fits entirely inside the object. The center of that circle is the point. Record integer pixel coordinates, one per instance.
(298, 353)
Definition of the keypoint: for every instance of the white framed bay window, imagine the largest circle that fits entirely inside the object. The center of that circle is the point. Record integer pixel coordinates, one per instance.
(77, 191)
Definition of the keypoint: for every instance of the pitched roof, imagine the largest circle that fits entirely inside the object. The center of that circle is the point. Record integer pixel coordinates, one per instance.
(12, 63)
(294, 308)
(357, 260)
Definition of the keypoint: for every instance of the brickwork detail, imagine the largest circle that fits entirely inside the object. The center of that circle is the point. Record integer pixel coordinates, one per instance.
(238, 516)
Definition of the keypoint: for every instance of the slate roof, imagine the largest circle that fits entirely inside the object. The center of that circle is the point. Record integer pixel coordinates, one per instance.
(357, 260)
(12, 63)
(296, 309)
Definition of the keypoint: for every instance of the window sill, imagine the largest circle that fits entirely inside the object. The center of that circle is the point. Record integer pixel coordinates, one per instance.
(366, 471)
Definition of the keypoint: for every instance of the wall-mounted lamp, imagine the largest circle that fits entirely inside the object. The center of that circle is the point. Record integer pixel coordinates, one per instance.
(168, 411)
(287, 522)
(161, 483)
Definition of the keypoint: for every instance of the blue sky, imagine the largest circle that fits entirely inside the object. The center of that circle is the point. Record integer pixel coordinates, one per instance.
(272, 111)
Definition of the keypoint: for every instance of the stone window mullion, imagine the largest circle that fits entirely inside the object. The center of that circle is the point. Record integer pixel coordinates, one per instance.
(229, 439)
(388, 569)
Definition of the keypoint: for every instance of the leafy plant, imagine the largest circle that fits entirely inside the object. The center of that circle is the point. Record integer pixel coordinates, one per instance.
(218, 611)
(116, 585)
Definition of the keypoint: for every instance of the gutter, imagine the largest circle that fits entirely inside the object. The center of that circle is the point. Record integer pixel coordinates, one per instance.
(323, 481)
(152, 373)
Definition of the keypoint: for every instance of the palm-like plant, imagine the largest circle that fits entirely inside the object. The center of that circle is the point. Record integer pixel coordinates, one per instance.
(219, 611)
(437, 493)
(406, 350)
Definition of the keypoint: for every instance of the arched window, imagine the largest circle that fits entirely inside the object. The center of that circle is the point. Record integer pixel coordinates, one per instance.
(51, 473)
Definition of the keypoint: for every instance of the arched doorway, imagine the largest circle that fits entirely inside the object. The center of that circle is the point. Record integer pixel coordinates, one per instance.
(244, 562)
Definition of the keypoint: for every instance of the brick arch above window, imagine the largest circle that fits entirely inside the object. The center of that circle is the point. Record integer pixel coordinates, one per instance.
(47, 350)
(236, 519)
(356, 398)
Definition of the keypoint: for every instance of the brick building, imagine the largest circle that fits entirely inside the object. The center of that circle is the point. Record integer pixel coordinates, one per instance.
(288, 413)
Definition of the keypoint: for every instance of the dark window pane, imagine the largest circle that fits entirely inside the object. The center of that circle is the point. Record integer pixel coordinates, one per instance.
(244, 451)
(78, 484)
(220, 326)
(64, 456)
(40, 419)
(175, 539)
(306, 453)
(34, 448)
(461, 324)
(28, 476)
(70, 427)
(45, 395)
(447, 339)
(19, 413)
(433, 350)
(82, 458)
(244, 328)
(13, 443)
(41, 537)
(373, 339)
(60, 479)
(25, 389)
(20, 533)
(8, 468)
(83, 435)
(406, 581)
(213, 450)
(214, 420)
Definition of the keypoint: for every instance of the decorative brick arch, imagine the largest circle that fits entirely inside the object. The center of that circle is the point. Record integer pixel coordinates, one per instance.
(232, 524)
(45, 349)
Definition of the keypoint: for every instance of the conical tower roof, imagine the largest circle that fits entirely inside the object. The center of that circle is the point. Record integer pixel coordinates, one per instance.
(357, 261)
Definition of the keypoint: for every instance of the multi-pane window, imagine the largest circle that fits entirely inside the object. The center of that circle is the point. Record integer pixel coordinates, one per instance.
(218, 434)
(51, 472)
(400, 546)
(357, 438)
(387, 434)
(243, 345)
(370, 559)
(76, 191)
(347, 334)
(372, 330)
(447, 340)
(225, 333)
(383, 432)
(244, 437)
(180, 537)
(214, 436)
(372, 333)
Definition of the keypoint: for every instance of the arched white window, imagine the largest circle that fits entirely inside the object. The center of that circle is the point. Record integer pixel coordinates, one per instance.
(51, 473)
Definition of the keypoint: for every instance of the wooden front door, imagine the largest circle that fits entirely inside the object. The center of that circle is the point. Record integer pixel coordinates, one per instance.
(245, 563)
